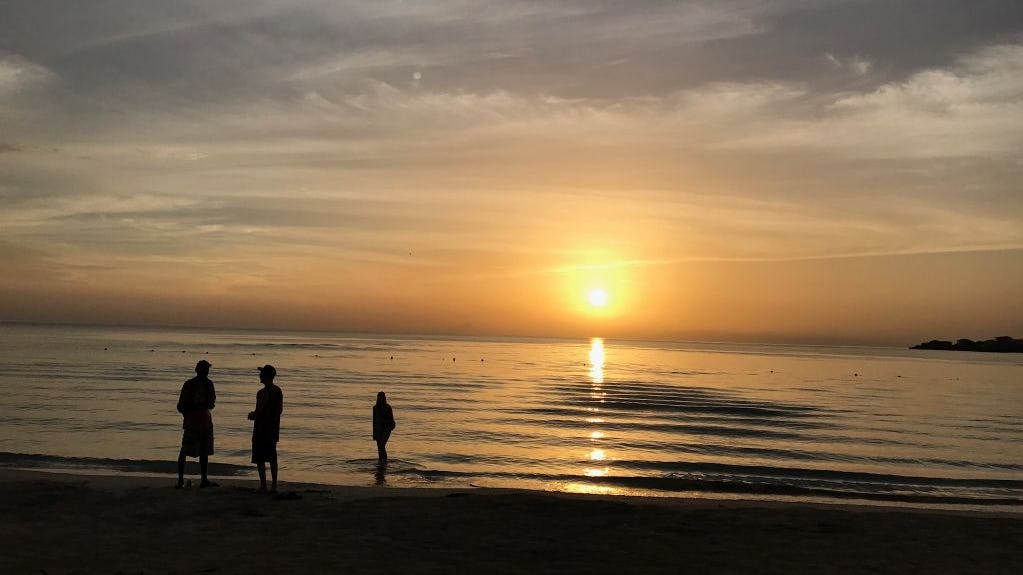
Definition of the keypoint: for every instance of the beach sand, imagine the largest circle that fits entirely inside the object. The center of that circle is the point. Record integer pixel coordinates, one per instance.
(59, 523)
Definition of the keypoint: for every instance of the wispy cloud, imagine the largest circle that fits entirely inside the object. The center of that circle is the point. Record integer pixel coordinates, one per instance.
(253, 141)
(18, 74)
(855, 64)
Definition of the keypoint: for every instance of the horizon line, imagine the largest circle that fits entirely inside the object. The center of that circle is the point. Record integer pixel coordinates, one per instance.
(425, 334)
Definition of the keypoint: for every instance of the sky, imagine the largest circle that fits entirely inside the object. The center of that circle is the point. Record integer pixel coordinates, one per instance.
(825, 171)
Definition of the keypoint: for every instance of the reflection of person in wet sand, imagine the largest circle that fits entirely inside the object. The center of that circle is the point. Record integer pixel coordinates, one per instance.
(266, 426)
(197, 398)
(383, 425)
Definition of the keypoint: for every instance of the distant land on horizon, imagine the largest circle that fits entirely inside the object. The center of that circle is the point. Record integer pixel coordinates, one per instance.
(1001, 344)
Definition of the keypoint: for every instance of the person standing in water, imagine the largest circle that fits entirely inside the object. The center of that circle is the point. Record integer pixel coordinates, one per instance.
(383, 425)
(266, 426)
(197, 399)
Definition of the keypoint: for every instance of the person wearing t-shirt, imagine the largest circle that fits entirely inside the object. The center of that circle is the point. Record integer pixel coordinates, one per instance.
(266, 426)
(195, 404)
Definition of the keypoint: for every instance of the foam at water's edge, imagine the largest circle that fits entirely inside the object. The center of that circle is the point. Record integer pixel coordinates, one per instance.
(721, 479)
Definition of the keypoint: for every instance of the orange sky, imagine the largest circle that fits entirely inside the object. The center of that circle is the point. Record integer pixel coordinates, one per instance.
(737, 171)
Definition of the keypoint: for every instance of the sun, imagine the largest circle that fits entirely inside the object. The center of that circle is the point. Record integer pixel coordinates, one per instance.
(597, 297)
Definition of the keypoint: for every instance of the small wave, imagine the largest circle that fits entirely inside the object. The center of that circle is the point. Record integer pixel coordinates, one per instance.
(795, 473)
(764, 485)
(40, 461)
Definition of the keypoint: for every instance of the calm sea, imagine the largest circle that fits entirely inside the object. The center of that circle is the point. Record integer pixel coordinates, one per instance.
(884, 425)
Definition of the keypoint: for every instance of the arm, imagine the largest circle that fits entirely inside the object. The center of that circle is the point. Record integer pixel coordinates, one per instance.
(211, 401)
(260, 403)
(182, 405)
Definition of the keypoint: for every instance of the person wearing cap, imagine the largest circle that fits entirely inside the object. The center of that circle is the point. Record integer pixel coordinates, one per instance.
(266, 426)
(197, 399)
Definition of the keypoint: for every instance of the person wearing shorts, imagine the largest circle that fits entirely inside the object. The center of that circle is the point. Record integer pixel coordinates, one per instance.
(195, 404)
(266, 426)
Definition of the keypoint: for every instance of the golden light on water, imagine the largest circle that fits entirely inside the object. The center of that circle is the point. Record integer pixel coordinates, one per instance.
(590, 489)
(597, 361)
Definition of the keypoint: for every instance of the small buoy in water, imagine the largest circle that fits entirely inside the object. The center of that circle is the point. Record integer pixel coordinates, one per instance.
(452, 359)
(106, 348)
(856, 375)
(392, 357)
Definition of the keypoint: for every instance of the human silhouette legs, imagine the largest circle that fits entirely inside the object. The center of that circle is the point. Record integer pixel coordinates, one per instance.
(181, 468)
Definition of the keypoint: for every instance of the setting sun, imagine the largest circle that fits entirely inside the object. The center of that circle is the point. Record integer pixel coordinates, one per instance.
(597, 297)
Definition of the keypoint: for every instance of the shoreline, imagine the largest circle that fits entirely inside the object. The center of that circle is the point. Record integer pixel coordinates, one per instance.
(88, 523)
(122, 483)
(641, 487)
(621, 487)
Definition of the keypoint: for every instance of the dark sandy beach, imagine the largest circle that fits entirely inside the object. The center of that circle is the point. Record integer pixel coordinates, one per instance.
(53, 523)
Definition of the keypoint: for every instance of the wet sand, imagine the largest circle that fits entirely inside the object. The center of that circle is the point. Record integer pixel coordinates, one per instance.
(57, 523)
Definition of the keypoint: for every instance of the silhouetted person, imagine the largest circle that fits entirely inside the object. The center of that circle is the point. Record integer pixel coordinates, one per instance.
(197, 399)
(383, 425)
(266, 426)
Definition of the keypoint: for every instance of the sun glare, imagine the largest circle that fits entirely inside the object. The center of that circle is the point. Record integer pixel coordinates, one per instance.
(597, 297)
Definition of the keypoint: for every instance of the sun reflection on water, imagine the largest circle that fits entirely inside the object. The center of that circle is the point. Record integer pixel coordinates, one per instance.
(597, 394)
(592, 489)
(597, 360)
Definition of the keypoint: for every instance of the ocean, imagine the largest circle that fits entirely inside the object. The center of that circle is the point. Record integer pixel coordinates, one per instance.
(883, 426)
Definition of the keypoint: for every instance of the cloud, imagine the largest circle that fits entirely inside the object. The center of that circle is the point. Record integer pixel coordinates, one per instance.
(520, 110)
(968, 109)
(19, 75)
(989, 76)
(857, 65)
(972, 109)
